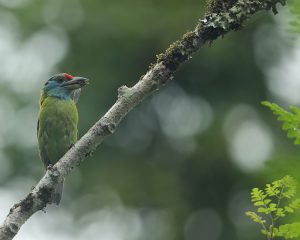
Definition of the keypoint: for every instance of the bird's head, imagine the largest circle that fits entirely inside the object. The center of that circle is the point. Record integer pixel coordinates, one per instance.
(63, 85)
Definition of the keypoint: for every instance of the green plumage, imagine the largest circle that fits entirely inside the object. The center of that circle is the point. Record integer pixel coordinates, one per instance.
(57, 120)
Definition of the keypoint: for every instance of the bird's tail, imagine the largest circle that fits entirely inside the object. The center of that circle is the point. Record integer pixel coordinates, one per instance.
(57, 194)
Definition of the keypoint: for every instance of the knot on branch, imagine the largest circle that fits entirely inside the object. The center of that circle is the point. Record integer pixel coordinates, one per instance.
(53, 172)
(107, 128)
(102, 128)
(124, 91)
(159, 75)
(45, 195)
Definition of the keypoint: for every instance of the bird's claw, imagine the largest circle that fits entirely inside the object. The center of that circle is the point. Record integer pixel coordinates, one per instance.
(49, 167)
(72, 145)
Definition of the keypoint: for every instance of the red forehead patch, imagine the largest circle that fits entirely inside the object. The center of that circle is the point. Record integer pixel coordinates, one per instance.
(68, 76)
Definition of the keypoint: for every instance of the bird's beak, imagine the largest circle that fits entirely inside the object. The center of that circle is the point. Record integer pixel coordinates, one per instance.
(76, 83)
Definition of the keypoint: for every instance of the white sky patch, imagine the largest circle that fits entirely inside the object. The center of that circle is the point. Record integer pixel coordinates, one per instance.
(277, 52)
(26, 64)
(14, 3)
(182, 117)
(7, 119)
(33, 59)
(249, 140)
(186, 117)
(283, 79)
(20, 124)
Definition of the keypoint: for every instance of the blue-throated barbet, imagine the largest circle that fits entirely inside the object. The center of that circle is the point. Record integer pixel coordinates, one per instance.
(57, 120)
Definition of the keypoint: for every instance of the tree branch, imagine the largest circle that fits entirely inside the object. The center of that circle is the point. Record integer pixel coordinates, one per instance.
(223, 17)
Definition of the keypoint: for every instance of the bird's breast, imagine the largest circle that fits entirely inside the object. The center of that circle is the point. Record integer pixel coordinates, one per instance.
(57, 129)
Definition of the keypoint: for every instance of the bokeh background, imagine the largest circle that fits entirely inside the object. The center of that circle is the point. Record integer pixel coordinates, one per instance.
(182, 164)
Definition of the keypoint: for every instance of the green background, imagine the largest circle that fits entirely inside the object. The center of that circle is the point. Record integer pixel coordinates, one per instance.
(181, 165)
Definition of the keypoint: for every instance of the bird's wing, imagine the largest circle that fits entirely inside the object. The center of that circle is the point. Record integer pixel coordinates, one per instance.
(76, 95)
(45, 146)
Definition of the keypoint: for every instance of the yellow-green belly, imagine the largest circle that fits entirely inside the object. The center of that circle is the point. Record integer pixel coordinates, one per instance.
(57, 128)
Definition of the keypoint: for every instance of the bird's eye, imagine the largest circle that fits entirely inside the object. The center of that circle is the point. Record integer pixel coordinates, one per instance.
(60, 80)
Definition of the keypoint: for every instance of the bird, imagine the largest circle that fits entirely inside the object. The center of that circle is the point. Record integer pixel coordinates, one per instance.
(58, 120)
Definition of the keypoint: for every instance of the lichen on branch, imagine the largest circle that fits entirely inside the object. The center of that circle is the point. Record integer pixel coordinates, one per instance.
(221, 17)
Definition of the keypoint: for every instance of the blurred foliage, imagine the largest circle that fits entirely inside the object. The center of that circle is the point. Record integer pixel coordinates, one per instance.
(295, 6)
(186, 157)
(270, 203)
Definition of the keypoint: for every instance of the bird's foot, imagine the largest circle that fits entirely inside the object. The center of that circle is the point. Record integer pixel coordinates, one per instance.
(49, 167)
(72, 145)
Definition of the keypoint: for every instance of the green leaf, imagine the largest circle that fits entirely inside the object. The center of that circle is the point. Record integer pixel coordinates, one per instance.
(267, 201)
(276, 202)
(255, 217)
(292, 206)
(289, 231)
(280, 212)
(257, 195)
(291, 120)
(259, 203)
(275, 232)
(272, 190)
(272, 206)
(288, 209)
(265, 232)
(295, 204)
(262, 210)
(290, 185)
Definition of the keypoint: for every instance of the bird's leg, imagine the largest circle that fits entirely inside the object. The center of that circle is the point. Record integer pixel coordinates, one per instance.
(49, 167)
(72, 145)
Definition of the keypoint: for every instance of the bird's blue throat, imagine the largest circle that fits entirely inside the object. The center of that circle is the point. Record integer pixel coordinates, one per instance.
(59, 92)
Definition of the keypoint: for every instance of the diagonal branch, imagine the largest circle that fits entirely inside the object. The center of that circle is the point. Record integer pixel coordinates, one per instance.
(224, 16)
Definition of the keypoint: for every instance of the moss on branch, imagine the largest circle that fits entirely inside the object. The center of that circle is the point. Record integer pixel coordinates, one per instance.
(222, 16)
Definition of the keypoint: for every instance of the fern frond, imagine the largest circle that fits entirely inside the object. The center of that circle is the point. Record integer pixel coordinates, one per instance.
(291, 120)
(289, 231)
(269, 203)
(255, 217)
